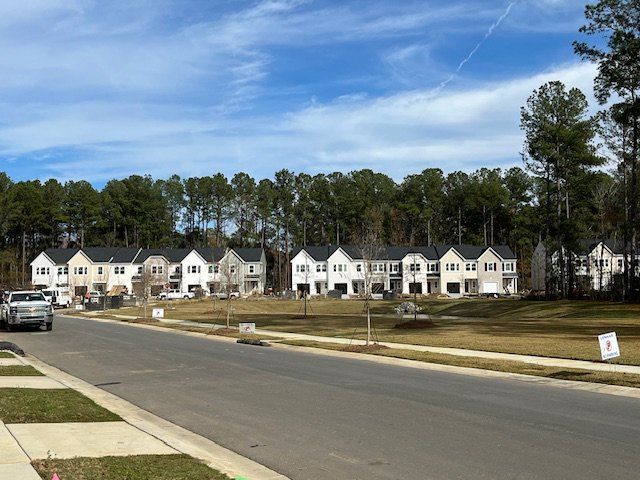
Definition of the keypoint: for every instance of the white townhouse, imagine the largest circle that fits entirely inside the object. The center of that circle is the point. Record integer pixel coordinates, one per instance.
(50, 269)
(122, 269)
(246, 268)
(455, 270)
(596, 263)
(184, 269)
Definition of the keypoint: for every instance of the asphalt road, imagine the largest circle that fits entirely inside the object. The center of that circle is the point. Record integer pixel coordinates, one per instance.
(314, 417)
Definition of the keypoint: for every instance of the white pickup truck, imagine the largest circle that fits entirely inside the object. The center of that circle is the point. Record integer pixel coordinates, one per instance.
(175, 295)
(28, 307)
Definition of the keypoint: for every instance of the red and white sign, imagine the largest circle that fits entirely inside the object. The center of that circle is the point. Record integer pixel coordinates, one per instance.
(247, 327)
(609, 345)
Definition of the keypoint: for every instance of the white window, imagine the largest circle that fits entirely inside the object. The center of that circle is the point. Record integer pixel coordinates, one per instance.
(232, 269)
(414, 267)
(620, 263)
(210, 268)
(100, 270)
(324, 268)
(157, 269)
(318, 268)
(216, 269)
(433, 267)
(139, 270)
(490, 267)
(340, 267)
(359, 268)
(252, 268)
(118, 270)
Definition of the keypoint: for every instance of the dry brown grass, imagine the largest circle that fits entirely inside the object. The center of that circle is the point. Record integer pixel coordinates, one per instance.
(553, 329)
(609, 378)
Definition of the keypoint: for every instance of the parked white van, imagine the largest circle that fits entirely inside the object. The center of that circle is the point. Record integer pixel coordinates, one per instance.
(57, 297)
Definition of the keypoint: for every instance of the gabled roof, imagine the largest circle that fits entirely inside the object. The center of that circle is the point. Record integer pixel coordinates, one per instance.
(587, 245)
(60, 256)
(100, 254)
(145, 253)
(125, 255)
(319, 254)
(210, 254)
(176, 255)
(505, 252)
(249, 254)
(431, 252)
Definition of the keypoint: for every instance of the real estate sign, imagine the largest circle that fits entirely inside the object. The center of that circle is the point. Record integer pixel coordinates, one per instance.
(609, 345)
(157, 313)
(247, 327)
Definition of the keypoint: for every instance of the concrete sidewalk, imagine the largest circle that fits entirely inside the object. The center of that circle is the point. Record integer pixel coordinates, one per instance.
(139, 433)
(512, 357)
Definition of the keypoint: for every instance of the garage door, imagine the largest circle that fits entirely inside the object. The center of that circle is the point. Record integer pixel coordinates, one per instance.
(490, 287)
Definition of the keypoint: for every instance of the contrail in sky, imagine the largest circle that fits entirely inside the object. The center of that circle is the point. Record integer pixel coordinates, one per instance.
(495, 25)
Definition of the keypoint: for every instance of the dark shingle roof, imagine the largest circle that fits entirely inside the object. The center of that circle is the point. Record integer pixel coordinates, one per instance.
(60, 256)
(432, 252)
(145, 253)
(249, 254)
(505, 252)
(319, 254)
(588, 244)
(211, 254)
(100, 254)
(125, 255)
(176, 255)
(173, 255)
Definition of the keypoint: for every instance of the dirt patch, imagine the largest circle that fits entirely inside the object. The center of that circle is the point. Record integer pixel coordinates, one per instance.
(225, 332)
(415, 325)
(374, 347)
(144, 320)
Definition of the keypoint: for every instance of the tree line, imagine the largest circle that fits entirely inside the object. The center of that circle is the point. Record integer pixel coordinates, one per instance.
(488, 206)
(562, 192)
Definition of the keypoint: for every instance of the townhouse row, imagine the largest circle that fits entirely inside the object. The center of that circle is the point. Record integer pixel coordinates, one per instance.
(595, 262)
(455, 270)
(101, 269)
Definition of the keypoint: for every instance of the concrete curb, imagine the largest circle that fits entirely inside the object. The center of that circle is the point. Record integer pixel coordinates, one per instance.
(176, 437)
(601, 388)
(459, 352)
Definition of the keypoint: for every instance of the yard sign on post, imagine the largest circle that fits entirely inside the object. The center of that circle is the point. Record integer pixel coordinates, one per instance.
(609, 346)
(157, 313)
(247, 327)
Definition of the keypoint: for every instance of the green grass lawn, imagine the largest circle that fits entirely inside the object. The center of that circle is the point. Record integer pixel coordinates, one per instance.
(141, 467)
(564, 329)
(25, 405)
(610, 378)
(6, 355)
(19, 371)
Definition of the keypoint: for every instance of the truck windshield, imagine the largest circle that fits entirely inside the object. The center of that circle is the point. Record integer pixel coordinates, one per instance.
(27, 297)
(47, 293)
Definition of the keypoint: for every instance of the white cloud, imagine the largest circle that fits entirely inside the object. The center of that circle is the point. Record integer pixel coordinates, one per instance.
(397, 134)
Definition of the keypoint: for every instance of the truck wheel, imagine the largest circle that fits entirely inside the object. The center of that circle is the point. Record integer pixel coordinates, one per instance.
(49, 326)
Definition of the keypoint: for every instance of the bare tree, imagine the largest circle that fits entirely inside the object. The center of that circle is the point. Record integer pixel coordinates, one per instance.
(371, 249)
(142, 288)
(229, 271)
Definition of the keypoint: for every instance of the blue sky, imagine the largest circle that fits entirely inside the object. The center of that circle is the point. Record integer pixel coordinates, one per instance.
(97, 89)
